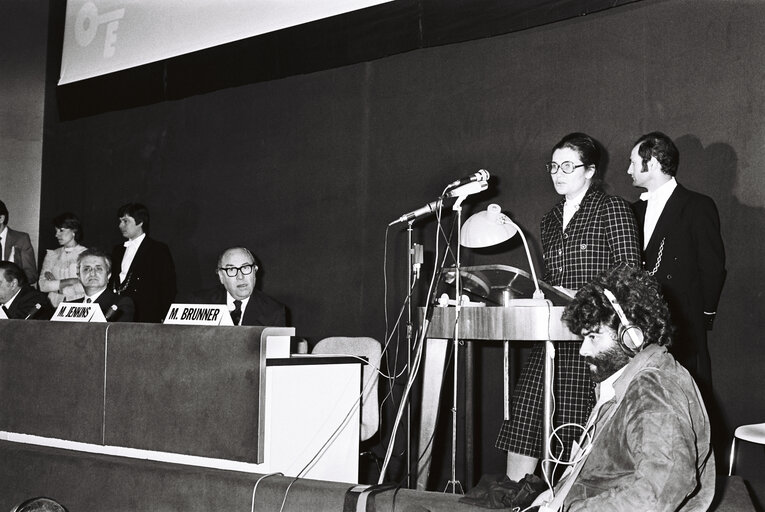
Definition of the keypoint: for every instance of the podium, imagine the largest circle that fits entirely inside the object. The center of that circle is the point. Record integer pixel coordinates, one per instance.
(527, 321)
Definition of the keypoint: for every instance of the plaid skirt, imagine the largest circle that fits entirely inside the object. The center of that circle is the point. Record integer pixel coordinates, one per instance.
(574, 398)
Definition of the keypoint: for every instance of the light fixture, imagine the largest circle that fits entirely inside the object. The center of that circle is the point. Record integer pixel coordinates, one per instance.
(492, 227)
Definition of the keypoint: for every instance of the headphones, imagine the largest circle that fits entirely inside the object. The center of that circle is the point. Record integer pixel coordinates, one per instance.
(630, 335)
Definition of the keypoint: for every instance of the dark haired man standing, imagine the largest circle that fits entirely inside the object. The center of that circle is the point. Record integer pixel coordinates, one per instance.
(646, 445)
(16, 247)
(682, 248)
(143, 267)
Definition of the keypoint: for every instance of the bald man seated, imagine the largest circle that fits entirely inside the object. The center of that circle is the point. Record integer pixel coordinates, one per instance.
(237, 272)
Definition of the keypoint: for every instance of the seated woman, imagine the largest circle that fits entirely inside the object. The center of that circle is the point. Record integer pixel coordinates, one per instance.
(58, 275)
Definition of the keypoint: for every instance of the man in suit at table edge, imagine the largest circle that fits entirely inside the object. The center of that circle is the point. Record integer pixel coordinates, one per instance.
(18, 299)
(16, 247)
(237, 272)
(94, 269)
(682, 248)
(143, 267)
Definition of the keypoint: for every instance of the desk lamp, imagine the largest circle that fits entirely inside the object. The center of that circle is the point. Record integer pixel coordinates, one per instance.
(492, 227)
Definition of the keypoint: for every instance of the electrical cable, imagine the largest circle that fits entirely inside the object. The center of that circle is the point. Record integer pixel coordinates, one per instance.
(255, 487)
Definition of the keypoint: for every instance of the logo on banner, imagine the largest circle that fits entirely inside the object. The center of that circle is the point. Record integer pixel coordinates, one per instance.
(88, 21)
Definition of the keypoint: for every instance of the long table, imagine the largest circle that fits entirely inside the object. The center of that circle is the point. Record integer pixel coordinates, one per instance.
(193, 395)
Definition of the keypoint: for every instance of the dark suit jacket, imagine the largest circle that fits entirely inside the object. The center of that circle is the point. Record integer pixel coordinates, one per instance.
(692, 267)
(150, 282)
(125, 307)
(25, 302)
(18, 249)
(261, 309)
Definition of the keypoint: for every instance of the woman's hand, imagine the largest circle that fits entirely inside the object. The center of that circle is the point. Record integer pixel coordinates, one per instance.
(48, 275)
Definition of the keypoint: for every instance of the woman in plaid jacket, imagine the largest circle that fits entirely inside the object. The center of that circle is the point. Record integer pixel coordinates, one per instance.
(587, 232)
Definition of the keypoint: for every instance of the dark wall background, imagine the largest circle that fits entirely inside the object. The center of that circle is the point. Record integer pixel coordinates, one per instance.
(308, 170)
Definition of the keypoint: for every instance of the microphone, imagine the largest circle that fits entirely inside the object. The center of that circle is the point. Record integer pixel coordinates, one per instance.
(482, 175)
(112, 310)
(34, 311)
(429, 208)
(467, 189)
(464, 190)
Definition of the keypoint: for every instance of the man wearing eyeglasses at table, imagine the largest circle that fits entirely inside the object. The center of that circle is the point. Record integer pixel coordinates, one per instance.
(237, 272)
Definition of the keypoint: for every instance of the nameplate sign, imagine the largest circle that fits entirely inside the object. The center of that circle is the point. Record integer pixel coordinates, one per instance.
(78, 312)
(198, 314)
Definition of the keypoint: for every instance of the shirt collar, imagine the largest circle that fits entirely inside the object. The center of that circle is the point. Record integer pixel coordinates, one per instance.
(663, 192)
(136, 241)
(230, 301)
(94, 297)
(606, 388)
(4, 232)
(10, 301)
(576, 201)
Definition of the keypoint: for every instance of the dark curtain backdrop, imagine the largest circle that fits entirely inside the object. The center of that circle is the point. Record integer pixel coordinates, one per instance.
(308, 170)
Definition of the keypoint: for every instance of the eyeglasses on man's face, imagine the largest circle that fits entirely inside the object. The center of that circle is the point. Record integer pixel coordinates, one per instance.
(566, 167)
(246, 270)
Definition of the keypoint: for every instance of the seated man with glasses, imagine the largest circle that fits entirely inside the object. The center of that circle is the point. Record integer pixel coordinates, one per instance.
(237, 272)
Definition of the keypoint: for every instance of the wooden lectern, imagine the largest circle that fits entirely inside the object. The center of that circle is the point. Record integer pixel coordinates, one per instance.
(529, 320)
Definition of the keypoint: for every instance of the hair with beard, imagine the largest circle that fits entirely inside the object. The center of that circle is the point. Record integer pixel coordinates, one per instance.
(639, 295)
(607, 362)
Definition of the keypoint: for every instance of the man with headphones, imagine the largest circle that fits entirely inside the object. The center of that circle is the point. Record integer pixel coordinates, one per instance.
(647, 443)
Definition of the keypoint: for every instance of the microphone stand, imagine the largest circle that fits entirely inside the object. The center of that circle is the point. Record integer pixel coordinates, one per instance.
(409, 285)
(454, 483)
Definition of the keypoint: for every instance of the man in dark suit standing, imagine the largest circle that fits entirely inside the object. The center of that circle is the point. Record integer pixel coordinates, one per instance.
(94, 269)
(143, 267)
(682, 249)
(16, 247)
(237, 272)
(18, 299)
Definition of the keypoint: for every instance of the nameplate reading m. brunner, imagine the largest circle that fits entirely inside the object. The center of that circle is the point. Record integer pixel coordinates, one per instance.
(198, 314)
(78, 312)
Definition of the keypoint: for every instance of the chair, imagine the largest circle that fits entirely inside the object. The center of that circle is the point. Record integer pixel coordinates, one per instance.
(365, 347)
(754, 433)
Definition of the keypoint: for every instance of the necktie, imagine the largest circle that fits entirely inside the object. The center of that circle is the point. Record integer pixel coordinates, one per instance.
(236, 314)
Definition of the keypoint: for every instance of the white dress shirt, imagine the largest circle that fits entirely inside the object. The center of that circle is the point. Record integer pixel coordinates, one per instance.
(230, 303)
(3, 240)
(657, 200)
(93, 298)
(570, 206)
(131, 247)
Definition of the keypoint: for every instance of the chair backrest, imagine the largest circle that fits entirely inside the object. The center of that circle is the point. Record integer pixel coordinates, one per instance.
(371, 349)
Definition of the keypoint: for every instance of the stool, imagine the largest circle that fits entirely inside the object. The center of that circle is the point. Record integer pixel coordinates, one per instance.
(754, 433)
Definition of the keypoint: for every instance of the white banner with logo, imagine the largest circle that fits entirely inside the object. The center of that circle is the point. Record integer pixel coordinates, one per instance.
(103, 36)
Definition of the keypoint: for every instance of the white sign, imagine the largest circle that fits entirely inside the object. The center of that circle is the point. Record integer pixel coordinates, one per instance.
(198, 314)
(104, 36)
(78, 312)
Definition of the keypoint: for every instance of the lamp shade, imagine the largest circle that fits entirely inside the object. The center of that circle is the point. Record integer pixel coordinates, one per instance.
(487, 228)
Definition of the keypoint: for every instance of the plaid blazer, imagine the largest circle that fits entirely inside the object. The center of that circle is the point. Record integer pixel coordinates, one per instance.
(602, 233)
